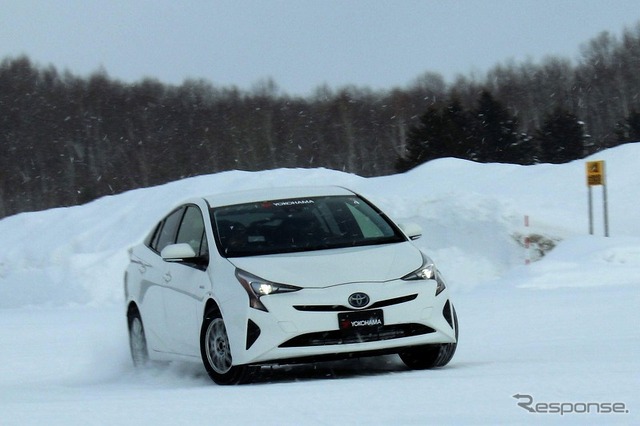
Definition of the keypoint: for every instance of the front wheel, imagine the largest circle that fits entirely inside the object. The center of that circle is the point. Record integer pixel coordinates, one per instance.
(137, 340)
(216, 352)
(431, 356)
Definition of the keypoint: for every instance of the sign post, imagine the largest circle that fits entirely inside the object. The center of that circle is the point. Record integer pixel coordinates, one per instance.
(596, 177)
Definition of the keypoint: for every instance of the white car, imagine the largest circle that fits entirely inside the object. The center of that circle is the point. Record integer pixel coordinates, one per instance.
(284, 275)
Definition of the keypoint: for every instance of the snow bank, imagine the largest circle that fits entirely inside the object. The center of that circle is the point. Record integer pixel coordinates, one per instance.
(472, 215)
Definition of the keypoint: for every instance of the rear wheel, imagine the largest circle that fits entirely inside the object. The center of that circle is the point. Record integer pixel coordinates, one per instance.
(216, 352)
(431, 356)
(137, 340)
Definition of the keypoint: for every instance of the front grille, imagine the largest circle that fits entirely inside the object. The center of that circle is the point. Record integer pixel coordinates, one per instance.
(339, 337)
(341, 308)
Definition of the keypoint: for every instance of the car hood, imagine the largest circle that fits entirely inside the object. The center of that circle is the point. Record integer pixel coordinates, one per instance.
(324, 268)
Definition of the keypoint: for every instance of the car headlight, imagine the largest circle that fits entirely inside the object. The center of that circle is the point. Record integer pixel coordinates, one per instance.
(257, 287)
(427, 271)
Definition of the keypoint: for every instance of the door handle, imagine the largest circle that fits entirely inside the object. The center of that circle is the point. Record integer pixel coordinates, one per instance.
(167, 277)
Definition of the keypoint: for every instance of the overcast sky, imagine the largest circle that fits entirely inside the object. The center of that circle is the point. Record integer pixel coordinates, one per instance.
(301, 44)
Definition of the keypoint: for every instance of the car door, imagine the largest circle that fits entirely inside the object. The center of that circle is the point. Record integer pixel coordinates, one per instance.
(185, 286)
(151, 269)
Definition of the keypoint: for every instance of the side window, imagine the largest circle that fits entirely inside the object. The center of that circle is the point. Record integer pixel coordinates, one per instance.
(152, 239)
(192, 231)
(167, 234)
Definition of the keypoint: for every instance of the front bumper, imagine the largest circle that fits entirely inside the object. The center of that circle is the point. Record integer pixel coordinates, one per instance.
(305, 324)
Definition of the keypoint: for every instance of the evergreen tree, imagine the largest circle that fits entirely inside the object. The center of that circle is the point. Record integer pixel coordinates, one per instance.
(458, 130)
(629, 130)
(525, 151)
(422, 143)
(496, 135)
(441, 132)
(634, 126)
(561, 137)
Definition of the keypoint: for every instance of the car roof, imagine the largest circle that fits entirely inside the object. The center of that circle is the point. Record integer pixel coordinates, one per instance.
(274, 193)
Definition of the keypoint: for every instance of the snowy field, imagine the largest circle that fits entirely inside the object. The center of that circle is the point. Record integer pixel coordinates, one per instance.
(563, 332)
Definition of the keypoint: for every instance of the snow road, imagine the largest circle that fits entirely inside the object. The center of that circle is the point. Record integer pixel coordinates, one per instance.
(71, 366)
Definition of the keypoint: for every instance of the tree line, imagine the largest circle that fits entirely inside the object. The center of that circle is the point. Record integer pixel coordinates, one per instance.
(66, 139)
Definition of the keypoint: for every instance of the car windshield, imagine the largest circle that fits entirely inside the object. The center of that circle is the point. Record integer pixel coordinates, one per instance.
(300, 224)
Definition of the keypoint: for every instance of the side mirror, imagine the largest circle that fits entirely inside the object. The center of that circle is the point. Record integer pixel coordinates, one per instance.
(178, 253)
(411, 230)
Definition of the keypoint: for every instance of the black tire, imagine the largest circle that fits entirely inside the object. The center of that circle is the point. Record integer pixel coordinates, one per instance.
(431, 356)
(137, 340)
(216, 352)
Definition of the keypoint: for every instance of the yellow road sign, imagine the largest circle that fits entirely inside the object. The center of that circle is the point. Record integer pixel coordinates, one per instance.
(595, 173)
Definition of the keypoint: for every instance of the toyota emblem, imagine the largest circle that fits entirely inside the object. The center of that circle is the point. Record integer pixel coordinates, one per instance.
(358, 300)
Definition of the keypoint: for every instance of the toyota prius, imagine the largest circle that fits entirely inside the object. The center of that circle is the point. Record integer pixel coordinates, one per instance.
(284, 275)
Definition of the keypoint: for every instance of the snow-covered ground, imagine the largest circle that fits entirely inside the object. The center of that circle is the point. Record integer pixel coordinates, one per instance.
(564, 330)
